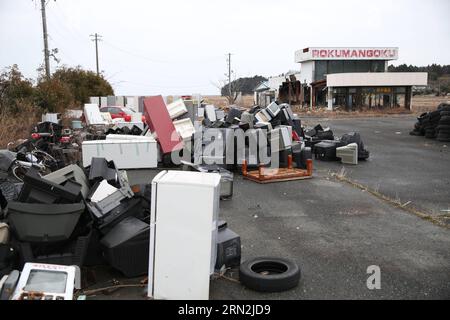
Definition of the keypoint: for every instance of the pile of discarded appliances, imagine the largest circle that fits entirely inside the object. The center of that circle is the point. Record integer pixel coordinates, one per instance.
(297, 144)
(434, 124)
(349, 148)
(85, 212)
(60, 218)
(88, 216)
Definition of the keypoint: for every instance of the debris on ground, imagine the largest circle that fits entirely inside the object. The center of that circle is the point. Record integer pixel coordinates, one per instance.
(66, 198)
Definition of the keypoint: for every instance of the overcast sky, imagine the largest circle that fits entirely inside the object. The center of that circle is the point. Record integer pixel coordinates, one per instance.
(180, 46)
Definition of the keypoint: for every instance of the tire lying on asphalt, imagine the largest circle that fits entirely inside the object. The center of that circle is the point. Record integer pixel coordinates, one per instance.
(269, 274)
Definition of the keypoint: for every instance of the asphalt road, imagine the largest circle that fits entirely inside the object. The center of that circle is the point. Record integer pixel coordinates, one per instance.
(403, 167)
(335, 231)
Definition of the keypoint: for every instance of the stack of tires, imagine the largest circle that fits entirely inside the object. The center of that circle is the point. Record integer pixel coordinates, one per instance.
(419, 126)
(443, 129)
(434, 124)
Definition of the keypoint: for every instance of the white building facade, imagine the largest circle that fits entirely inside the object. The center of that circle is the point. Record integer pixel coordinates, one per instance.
(355, 77)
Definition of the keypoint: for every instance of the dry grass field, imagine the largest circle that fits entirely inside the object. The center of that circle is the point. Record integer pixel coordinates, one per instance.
(427, 103)
(419, 104)
(222, 102)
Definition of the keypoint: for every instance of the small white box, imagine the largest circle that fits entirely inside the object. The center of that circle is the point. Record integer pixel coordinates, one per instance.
(211, 112)
(348, 154)
(92, 114)
(176, 109)
(185, 128)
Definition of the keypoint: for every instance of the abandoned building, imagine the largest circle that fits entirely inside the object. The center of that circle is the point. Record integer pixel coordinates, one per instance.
(344, 78)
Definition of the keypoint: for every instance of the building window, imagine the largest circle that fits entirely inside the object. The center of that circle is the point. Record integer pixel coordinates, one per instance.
(320, 70)
(377, 66)
(324, 67)
(336, 66)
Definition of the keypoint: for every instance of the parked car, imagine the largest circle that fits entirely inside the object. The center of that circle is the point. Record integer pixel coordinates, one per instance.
(120, 112)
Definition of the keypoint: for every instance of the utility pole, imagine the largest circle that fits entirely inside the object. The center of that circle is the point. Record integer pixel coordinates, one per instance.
(229, 74)
(97, 38)
(46, 52)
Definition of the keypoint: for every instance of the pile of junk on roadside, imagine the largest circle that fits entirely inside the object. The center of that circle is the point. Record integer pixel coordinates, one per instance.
(67, 199)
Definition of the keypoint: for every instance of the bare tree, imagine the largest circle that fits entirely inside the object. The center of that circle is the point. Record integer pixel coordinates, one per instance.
(236, 88)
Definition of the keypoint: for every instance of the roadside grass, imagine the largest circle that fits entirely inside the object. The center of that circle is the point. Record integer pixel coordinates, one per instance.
(438, 220)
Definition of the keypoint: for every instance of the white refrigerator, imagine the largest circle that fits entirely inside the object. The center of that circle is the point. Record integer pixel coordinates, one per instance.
(183, 234)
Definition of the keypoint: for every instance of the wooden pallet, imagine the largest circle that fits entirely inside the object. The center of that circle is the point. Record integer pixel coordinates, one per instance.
(268, 175)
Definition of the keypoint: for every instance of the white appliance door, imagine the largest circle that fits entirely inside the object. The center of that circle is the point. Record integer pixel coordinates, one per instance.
(182, 241)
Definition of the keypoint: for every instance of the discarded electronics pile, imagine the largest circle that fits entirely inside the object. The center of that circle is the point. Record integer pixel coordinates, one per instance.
(89, 214)
(295, 142)
(349, 148)
(434, 124)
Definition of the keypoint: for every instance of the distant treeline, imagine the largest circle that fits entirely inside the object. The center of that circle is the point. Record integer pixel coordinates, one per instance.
(435, 71)
(244, 85)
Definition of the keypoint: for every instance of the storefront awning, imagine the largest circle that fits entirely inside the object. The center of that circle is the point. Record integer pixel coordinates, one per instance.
(377, 79)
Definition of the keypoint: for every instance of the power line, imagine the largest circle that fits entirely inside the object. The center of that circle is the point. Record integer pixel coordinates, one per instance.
(165, 87)
(56, 43)
(134, 54)
(157, 60)
(73, 31)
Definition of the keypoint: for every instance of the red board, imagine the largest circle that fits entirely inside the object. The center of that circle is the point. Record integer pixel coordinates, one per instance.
(158, 120)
